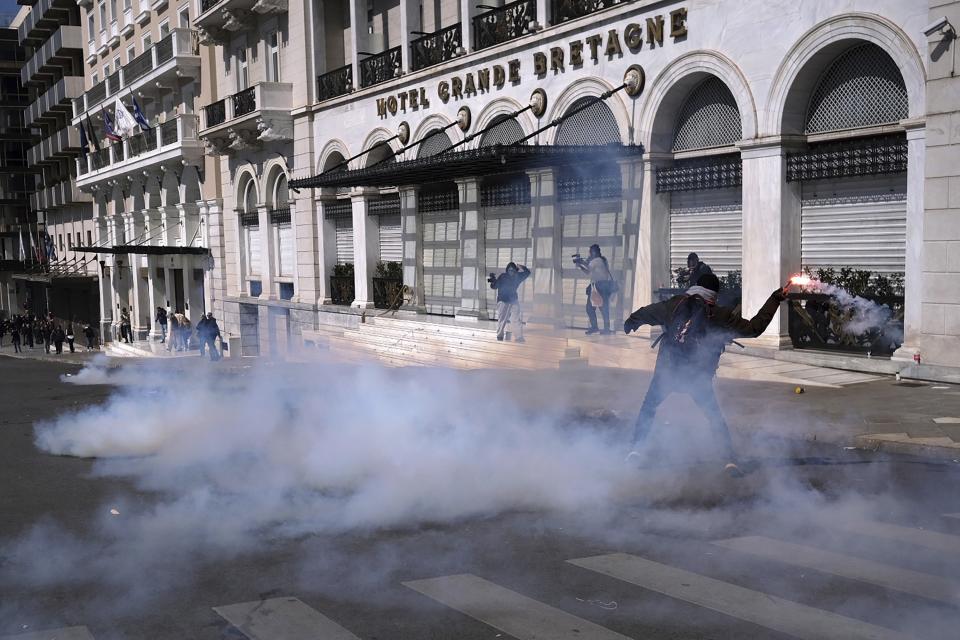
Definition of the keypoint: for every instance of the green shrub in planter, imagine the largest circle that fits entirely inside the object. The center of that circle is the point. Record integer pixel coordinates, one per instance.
(343, 270)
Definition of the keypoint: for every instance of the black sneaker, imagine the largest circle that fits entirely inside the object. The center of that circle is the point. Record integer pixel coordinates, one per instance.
(500, 338)
(590, 332)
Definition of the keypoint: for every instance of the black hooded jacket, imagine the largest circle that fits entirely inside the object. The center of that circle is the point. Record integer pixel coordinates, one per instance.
(507, 284)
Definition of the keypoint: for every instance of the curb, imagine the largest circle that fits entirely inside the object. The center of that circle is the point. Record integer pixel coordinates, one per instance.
(938, 448)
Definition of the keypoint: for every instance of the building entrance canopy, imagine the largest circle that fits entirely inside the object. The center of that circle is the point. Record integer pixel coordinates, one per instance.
(146, 250)
(480, 162)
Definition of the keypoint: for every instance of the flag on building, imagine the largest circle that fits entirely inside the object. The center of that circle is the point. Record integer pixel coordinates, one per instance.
(50, 248)
(138, 115)
(23, 250)
(93, 135)
(126, 124)
(108, 126)
(84, 143)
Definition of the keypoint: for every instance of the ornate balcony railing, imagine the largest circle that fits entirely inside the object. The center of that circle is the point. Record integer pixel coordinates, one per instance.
(337, 82)
(164, 49)
(280, 216)
(244, 102)
(718, 172)
(868, 156)
(564, 10)
(380, 67)
(342, 289)
(249, 218)
(137, 68)
(216, 113)
(436, 47)
(510, 21)
(168, 132)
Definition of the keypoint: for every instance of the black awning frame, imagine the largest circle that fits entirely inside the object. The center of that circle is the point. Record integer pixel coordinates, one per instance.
(145, 249)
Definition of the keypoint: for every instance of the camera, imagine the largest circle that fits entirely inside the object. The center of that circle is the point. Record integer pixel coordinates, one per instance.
(940, 25)
(576, 257)
(492, 278)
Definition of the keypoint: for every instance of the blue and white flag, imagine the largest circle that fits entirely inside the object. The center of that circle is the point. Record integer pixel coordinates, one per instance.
(139, 117)
(125, 125)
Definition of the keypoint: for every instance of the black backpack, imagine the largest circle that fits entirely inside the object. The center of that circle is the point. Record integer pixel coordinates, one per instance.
(686, 333)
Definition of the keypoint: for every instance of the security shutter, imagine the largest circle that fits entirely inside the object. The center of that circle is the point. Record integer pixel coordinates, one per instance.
(506, 211)
(442, 274)
(855, 222)
(391, 243)
(254, 256)
(433, 143)
(285, 242)
(710, 224)
(344, 227)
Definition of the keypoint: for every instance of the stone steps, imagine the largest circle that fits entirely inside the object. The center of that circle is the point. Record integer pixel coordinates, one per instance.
(536, 347)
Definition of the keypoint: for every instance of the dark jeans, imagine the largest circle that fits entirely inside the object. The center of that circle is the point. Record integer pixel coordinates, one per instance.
(70, 342)
(16, 347)
(702, 393)
(90, 344)
(604, 309)
(59, 346)
(163, 332)
(207, 340)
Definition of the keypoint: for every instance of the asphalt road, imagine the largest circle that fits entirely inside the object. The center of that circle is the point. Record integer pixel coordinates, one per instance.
(815, 542)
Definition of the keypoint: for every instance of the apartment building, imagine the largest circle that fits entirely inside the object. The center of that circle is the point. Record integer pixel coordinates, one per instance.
(154, 191)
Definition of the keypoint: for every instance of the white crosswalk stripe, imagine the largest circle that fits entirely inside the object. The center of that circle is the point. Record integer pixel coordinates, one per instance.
(955, 516)
(882, 575)
(512, 613)
(942, 542)
(68, 633)
(282, 619)
(778, 614)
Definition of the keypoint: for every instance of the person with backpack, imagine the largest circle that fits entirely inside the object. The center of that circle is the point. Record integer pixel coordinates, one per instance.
(508, 303)
(602, 286)
(695, 332)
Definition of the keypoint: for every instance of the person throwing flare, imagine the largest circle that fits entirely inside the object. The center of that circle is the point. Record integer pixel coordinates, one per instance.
(695, 332)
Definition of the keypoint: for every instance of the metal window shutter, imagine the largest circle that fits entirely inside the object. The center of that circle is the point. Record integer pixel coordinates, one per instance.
(855, 222)
(583, 224)
(710, 224)
(254, 256)
(391, 239)
(287, 254)
(507, 239)
(344, 240)
(442, 275)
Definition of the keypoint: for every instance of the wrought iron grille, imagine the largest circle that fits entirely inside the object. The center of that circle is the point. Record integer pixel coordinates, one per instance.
(249, 218)
(594, 125)
(817, 321)
(863, 87)
(433, 143)
(244, 102)
(564, 10)
(506, 130)
(338, 209)
(381, 67)
(335, 83)
(718, 172)
(602, 185)
(505, 192)
(342, 290)
(436, 47)
(138, 67)
(503, 24)
(216, 112)
(868, 156)
(434, 201)
(385, 206)
(113, 82)
(164, 49)
(280, 216)
(168, 132)
(206, 5)
(386, 293)
(97, 93)
(709, 118)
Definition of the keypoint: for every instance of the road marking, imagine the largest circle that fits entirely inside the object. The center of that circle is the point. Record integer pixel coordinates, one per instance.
(68, 633)
(955, 516)
(757, 607)
(512, 613)
(882, 575)
(935, 540)
(282, 619)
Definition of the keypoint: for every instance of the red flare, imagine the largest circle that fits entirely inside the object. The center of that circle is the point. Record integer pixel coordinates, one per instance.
(801, 280)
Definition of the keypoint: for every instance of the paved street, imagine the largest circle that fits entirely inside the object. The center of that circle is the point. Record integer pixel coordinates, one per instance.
(358, 504)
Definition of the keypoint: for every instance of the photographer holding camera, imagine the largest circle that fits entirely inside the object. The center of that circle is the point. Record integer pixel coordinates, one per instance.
(508, 304)
(601, 287)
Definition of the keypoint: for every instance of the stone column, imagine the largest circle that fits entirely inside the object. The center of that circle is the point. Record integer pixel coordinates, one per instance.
(545, 234)
(358, 36)
(473, 301)
(303, 217)
(140, 312)
(412, 230)
(913, 273)
(652, 264)
(326, 245)
(631, 181)
(268, 254)
(468, 9)
(106, 304)
(771, 231)
(157, 294)
(366, 241)
(409, 21)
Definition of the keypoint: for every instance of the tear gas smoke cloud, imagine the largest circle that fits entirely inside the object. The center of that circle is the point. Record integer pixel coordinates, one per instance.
(865, 315)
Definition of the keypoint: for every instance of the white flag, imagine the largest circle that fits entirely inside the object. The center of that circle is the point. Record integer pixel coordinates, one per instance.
(124, 125)
(23, 251)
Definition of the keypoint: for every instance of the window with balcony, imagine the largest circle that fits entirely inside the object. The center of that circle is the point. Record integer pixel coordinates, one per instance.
(147, 42)
(113, 10)
(131, 52)
(94, 79)
(185, 17)
(273, 57)
(243, 77)
(164, 29)
(91, 28)
(103, 16)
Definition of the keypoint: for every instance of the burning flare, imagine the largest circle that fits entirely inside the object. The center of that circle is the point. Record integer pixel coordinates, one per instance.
(801, 280)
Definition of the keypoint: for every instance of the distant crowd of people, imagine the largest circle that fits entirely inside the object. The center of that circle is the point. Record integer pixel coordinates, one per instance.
(31, 331)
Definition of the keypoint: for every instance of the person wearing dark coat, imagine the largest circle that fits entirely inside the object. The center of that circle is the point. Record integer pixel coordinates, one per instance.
(698, 268)
(208, 331)
(162, 321)
(15, 338)
(693, 373)
(508, 302)
(58, 336)
(70, 337)
(89, 334)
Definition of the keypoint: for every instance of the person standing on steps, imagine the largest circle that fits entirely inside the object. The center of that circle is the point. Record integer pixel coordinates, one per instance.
(697, 269)
(602, 286)
(508, 303)
(162, 321)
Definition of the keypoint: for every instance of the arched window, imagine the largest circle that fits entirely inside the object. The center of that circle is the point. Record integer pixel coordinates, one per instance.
(594, 125)
(505, 130)
(708, 118)
(861, 88)
(433, 143)
(380, 153)
(281, 195)
(250, 197)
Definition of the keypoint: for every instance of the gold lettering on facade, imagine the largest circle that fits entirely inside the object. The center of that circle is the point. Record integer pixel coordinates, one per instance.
(392, 105)
(456, 87)
(633, 36)
(443, 91)
(424, 101)
(655, 30)
(483, 80)
(576, 53)
(403, 101)
(469, 87)
(499, 77)
(678, 22)
(539, 64)
(382, 107)
(513, 70)
(613, 44)
(556, 59)
(413, 99)
(594, 42)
